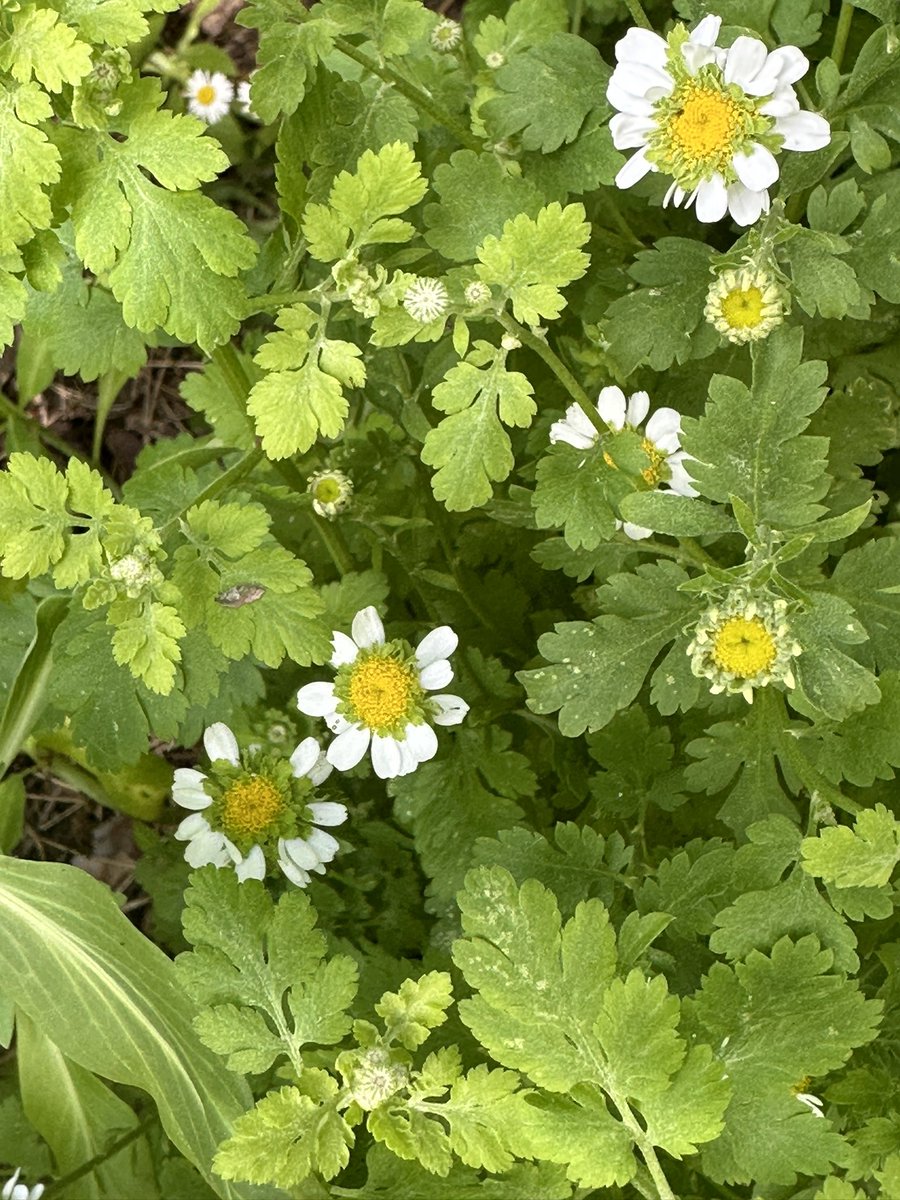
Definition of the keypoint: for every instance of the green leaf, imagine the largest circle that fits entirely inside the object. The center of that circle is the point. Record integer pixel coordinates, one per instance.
(74, 963)
(146, 639)
(550, 89)
(419, 1007)
(778, 1021)
(750, 441)
(209, 392)
(866, 745)
(864, 856)
(43, 46)
(678, 516)
(599, 667)
(868, 576)
(823, 282)
(874, 268)
(662, 321)
(24, 205)
(288, 50)
(570, 493)
(579, 1132)
(286, 1138)
(533, 259)
(470, 448)
(394, 26)
(456, 226)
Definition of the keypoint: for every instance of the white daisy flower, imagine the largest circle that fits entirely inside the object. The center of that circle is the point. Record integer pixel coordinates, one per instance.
(378, 697)
(425, 300)
(744, 643)
(208, 95)
(744, 305)
(242, 99)
(710, 118)
(446, 35)
(813, 1103)
(331, 491)
(661, 442)
(254, 812)
(13, 1190)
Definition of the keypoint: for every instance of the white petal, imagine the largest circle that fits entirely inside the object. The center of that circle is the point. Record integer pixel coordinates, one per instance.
(634, 170)
(436, 675)
(745, 58)
(746, 206)
(706, 32)
(188, 777)
(320, 769)
(253, 866)
(636, 532)
(574, 429)
(440, 643)
(643, 79)
(295, 874)
(323, 844)
(790, 64)
(804, 131)
(192, 827)
(336, 723)
(345, 649)
(781, 104)
(367, 628)
(305, 757)
(385, 757)
(408, 760)
(756, 169)
(191, 797)
(675, 195)
(680, 482)
(629, 131)
(712, 199)
(422, 741)
(642, 46)
(612, 406)
(316, 699)
(663, 423)
(220, 743)
(205, 849)
(637, 409)
(348, 747)
(622, 99)
(450, 709)
(296, 850)
(327, 812)
(696, 56)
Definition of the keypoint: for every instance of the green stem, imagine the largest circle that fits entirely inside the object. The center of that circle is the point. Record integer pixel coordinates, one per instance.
(695, 552)
(637, 13)
(192, 29)
(557, 366)
(264, 303)
(108, 388)
(643, 1143)
(286, 274)
(245, 464)
(577, 14)
(414, 94)
(61, 1184)
(334, 542)
(842, 33)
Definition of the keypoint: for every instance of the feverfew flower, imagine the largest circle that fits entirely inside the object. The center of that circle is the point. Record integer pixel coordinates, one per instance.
(13, 1190)
(331, 492)
(379, 697)
(711, 119)
(744, 643)
(744, 305)
(446, 35)
(661, 441)
(425, 300)
(208, 95)
(255, 812)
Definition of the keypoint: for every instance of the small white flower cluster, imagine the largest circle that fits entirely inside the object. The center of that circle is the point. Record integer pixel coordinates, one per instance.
(712, 119)
(662, 441)
(13, 1190)
(210, 93)
(379, 699)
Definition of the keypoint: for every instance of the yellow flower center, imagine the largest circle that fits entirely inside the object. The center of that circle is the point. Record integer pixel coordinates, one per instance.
(250, 806)
(327, 490)
(653, 474)
(744, 647)
(706, 125)
(742, 308)
(206, 94)
(380, 691)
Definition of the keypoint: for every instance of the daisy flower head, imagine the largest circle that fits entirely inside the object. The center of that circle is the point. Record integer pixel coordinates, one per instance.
(425, 300)
(208, 95)
(711, 119)
(744, 643)
(379, 697)
(13, 1190)
(661, 441)
(446, 35)
(255, 811)
(744, 306)
(331, 492)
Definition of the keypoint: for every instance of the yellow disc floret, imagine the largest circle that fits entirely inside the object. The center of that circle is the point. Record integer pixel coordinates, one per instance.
(742, 308)
(706, 126)
(205, 94)
(744, 647)
(381, 690)
(657, 472)
(250, 806)
(744, 305)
